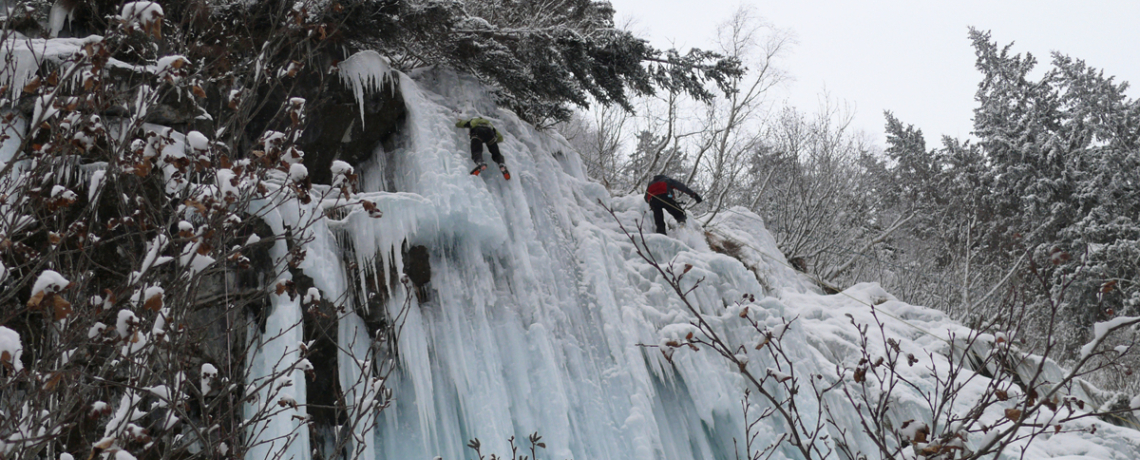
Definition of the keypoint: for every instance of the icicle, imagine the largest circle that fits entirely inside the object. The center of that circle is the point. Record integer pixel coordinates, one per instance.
(366, 71)
(60, 14)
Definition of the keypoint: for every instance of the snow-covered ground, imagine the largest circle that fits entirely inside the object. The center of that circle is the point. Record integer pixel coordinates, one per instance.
(538, 306)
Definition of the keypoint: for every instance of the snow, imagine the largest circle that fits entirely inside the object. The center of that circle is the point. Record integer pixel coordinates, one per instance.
(95, 184)
(170, 65)
(141, 12)
(313, 295)
(96, 330)
(192, 260)
(340, 168)
(123, 324)
(152, 258)
(208, 374)
(340, 172)
(227, 184)
(50, 281)
(161, 392)
(1101, 329)
(126, 412)
(61, 192)
(539, 315)
(197, 141)
(11, 348)
(151, 293)
(298, 172)
(46, 107)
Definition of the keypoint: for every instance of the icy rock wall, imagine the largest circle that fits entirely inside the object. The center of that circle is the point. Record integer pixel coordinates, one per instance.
(537, 305)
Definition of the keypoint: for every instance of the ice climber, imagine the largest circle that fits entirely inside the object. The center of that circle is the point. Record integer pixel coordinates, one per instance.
(660, 197)
(482, 132)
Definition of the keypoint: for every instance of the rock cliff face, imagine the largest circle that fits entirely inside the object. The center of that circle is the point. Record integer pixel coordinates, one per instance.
(340, 130)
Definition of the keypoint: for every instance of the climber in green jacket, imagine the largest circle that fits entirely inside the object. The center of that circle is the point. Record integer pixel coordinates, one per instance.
(482, 132)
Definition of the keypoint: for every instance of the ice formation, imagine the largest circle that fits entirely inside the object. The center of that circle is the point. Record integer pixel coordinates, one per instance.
(364, 72)
(537, 307)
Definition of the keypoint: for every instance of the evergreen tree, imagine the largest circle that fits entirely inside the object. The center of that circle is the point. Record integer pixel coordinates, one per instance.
(540, 56)
(1061, 178)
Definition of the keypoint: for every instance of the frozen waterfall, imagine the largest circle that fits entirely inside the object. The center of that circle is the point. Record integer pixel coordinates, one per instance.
(537, 306)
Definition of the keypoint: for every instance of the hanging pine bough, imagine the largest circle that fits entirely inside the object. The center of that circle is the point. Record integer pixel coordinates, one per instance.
(538, 57)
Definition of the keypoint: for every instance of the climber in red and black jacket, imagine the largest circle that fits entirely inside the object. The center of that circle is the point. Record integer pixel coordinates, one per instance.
(660, 197)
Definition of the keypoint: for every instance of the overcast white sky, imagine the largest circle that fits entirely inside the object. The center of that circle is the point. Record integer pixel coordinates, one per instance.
(911, 57)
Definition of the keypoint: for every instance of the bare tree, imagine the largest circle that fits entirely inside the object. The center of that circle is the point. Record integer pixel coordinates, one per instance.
(732, 128)
(600, 143)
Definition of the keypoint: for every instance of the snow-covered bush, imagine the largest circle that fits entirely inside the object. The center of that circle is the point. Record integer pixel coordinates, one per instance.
(141, 225)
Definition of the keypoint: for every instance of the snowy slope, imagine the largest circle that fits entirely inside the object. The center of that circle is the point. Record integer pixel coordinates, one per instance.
(538, 305)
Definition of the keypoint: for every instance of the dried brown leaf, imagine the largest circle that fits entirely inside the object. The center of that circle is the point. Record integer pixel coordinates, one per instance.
(201, 208)
(921, 434)
(36, 299)
(153, 303)
(1108, 287)
(143, 168)
(33, 85)
(62, 307)
(53, 381)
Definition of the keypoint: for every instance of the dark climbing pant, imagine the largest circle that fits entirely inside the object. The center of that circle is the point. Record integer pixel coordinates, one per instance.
(484, 135)
(662, 202)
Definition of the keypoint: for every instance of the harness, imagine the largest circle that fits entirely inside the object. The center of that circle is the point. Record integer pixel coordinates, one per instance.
(484, 133)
